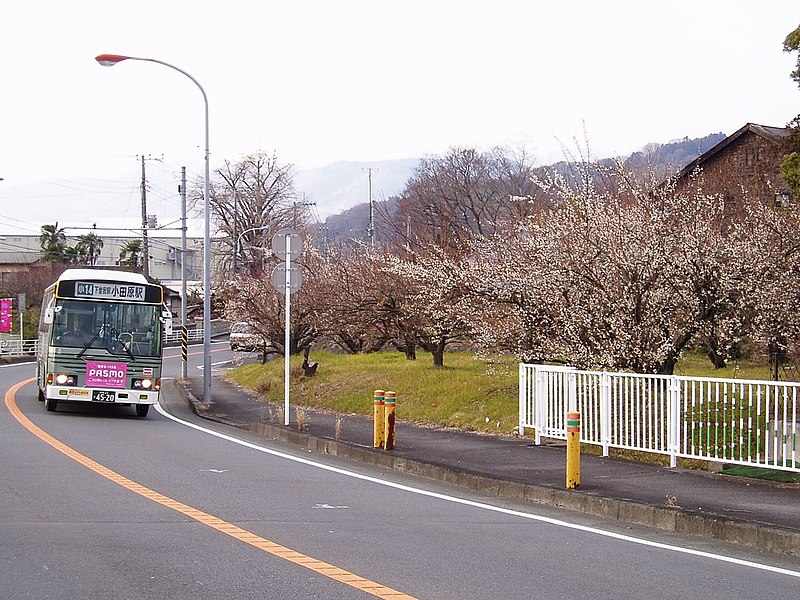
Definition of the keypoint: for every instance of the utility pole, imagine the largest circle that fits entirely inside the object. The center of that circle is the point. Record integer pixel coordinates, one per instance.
(295, 205)
(324, 231)
(371, 227)
(234, 238)
(184, 299)
(145, 245)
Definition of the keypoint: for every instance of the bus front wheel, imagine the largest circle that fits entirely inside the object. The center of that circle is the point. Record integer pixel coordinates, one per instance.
(50, 404)
(141, 410)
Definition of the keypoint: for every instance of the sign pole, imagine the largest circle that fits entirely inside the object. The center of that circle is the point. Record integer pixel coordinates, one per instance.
(287, 332)
(21, 306)
(286, 278)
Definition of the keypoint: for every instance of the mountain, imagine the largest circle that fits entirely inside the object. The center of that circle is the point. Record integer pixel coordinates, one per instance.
(671, 157)
(338, 189)
(661, 159)
(344, 184)
(352, 223)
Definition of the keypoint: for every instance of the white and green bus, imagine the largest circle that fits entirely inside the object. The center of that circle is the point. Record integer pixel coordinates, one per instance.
(100, 339)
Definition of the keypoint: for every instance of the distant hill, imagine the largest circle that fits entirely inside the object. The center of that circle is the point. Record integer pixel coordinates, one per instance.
(340, 187)
(349, 224)
(662, 159)
(670, 158)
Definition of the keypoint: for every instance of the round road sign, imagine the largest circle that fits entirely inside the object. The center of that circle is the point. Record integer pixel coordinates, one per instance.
(279, 244)
(279, 277)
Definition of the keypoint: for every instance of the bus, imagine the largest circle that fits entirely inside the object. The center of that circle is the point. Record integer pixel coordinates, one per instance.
(100, 339)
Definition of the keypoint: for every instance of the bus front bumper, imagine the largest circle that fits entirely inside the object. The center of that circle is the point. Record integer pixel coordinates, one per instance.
(101, 395)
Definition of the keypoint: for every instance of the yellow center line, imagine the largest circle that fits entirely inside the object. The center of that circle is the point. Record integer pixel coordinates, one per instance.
(318, 566)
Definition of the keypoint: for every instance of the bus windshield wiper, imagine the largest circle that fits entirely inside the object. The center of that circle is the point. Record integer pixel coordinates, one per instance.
(114, 335)
(90, 342)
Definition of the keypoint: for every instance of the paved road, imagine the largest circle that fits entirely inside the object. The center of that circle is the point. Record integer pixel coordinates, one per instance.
(156, 509)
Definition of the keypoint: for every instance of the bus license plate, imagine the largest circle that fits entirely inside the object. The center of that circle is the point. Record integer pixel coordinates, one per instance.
(103, 396)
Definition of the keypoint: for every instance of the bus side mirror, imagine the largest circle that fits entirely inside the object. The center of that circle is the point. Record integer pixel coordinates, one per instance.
(50, 311)
(166, 318)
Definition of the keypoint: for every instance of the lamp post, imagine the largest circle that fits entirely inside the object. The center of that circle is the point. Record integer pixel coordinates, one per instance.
(238, 246)
(109, 60)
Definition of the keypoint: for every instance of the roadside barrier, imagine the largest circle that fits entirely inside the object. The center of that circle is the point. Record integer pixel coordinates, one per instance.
(383, 407)
(378, 418)
(573, 449)
(733, 421)
(388, 420)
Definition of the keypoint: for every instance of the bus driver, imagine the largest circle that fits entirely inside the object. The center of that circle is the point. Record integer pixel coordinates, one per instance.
(79, 333)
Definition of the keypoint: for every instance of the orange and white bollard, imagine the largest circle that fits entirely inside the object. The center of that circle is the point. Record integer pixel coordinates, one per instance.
(378, 419)
(573, 449)
(388, 423)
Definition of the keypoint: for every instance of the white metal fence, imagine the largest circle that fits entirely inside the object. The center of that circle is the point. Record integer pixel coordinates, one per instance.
(734, 421)
(192, 335)
(12, 347)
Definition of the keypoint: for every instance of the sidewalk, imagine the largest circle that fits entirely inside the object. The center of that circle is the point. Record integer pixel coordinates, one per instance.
(754, 513)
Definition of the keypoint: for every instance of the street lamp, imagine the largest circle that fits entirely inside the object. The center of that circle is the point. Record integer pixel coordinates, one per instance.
(238, 246)
(109, 60)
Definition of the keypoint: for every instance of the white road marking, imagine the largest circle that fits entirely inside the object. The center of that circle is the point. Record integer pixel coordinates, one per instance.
(214, 364)
(481, 505)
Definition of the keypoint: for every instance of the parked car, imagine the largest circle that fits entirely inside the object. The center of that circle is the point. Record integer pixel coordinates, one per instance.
(243, 338)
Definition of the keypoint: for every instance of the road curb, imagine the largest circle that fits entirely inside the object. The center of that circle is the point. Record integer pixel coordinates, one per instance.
(672, 519)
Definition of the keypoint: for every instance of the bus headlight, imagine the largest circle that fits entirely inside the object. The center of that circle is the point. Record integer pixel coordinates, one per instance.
(143, 384)
(64, 379)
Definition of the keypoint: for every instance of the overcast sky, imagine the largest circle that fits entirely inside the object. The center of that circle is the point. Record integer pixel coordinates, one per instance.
(318, 81)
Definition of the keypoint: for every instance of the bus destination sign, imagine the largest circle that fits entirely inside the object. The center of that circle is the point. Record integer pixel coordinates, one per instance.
(109, 291)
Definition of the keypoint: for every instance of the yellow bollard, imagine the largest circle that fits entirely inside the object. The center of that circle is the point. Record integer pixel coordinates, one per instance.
(388, 427)
(378, 416)
(573, 449)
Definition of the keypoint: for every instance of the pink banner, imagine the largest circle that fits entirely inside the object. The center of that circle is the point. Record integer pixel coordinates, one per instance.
(5, 315)
(106, 374)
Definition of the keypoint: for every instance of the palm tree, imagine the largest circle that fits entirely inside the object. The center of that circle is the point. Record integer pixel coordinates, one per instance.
(130, 254)
(70, 255)
(53, 241)
(52, 235)
(89, 247)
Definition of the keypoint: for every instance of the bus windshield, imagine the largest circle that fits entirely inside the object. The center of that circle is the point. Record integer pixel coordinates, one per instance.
(118, 327)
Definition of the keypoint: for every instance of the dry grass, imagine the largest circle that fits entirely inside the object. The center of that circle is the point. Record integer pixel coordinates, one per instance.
(302, 416)
(466, 393)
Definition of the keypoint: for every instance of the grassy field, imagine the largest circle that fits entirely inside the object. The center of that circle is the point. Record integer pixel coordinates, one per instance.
(466, 393)
(698, 365)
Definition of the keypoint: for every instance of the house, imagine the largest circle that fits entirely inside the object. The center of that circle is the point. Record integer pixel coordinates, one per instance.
(745, 166)
(13, 262)
(21, 251)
